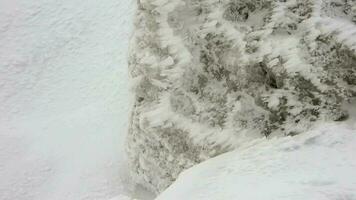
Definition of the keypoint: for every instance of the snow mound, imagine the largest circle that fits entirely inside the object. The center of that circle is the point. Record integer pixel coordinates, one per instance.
(319, 165)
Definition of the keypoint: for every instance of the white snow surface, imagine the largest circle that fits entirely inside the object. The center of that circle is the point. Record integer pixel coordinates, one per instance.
(64, 112)
(318, 165)
(63, 99)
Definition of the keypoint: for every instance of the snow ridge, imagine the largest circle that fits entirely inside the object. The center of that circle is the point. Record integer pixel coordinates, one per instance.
(317, 165)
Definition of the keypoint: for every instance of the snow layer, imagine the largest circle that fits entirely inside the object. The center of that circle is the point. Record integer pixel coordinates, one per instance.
(319, 165)
(63, 98)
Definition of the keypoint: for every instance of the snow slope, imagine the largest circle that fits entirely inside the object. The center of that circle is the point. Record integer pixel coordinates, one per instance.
(317, 165)
(63, 98)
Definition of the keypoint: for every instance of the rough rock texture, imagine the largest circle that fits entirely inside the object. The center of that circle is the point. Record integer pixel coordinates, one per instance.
(209, 74)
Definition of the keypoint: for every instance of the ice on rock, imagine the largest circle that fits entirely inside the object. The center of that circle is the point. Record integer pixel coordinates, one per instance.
(211, 74)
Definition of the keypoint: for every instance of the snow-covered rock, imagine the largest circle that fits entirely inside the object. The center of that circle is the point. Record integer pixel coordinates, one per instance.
(317, 165)
(210, 75)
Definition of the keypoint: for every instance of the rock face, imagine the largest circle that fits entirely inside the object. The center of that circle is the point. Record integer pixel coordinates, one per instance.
(209, 74)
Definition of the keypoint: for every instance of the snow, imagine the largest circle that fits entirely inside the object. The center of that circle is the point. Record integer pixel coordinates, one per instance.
(64, 105)
(64, 99)
(319, 164)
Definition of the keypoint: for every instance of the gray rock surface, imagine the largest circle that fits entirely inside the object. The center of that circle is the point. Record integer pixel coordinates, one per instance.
(210, 74)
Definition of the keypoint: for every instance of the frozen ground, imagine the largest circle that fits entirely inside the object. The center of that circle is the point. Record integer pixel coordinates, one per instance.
(63, 99)
(317, 165)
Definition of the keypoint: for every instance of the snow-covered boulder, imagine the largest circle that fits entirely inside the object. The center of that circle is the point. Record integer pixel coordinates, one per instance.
(210, 74)
(318, 165)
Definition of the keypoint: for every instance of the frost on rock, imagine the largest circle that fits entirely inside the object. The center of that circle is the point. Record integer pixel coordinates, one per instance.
(207, 74)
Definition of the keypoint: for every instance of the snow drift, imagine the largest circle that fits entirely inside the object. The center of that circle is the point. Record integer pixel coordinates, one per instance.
(319, 165)
(210, 75)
